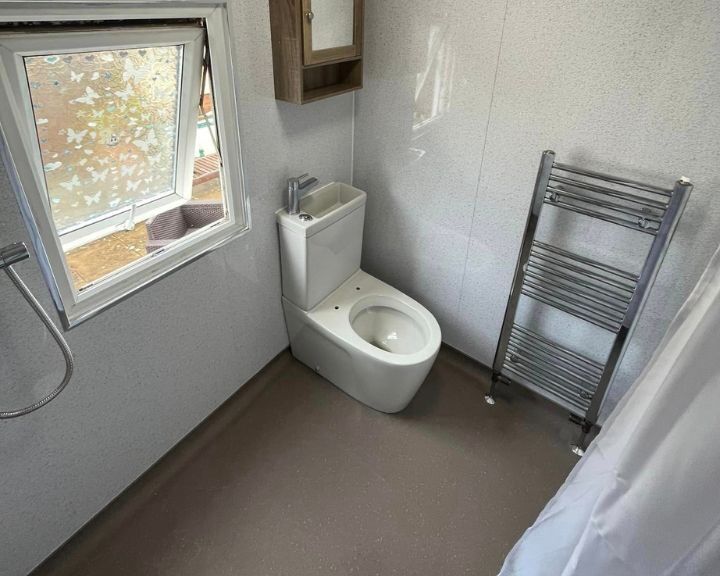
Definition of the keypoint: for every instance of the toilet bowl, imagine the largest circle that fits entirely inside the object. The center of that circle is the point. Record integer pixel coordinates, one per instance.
(369, 339)
(366, 337)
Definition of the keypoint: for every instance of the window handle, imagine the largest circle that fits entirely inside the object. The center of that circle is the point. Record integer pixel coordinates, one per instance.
(129, 224)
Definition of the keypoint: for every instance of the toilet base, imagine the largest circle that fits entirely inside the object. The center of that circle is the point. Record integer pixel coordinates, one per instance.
(384, 382)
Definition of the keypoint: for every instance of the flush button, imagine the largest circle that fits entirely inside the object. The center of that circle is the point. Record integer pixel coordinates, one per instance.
(305, 217)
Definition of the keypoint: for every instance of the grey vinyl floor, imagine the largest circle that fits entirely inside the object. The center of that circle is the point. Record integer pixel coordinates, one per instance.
(292, 477)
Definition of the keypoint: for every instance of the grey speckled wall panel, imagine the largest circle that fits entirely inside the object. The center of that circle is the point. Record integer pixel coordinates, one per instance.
(625, 87)
(153, 367)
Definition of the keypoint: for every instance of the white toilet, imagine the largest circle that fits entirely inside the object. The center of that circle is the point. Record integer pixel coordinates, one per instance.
(369, 339)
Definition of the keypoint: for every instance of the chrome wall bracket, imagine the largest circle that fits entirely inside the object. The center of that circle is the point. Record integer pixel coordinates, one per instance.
(12, 254)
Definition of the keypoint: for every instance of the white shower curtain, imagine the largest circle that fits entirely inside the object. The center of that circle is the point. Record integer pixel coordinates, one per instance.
(645, 498)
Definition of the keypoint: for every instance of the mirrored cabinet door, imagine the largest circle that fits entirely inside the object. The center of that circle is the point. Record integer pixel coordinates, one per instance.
(332, 30)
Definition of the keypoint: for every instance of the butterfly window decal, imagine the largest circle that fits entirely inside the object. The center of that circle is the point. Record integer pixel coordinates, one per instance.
(132, 72)
(74, 182)
(98, 176)
(126, 92)
(150, 140)
(127, 170)
(94, 199)
(76, 137)
(88, 98)
(112, 115)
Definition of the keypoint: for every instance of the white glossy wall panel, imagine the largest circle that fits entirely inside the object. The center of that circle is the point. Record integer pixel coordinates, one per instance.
(153, 367)
(419, 133)
(623, 87)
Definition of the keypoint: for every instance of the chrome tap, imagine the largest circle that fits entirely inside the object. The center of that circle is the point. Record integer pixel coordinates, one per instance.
(294, 187)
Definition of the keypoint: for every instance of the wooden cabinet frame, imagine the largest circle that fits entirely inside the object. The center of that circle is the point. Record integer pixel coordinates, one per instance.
(301, 75)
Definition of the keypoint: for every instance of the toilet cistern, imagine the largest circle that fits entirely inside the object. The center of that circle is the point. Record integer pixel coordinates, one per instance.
(294, 187)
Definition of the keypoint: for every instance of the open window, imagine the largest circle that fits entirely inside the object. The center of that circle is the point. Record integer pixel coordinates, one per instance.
(121, 137)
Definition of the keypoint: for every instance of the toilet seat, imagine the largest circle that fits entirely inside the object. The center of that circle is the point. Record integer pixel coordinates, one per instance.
(342, 311)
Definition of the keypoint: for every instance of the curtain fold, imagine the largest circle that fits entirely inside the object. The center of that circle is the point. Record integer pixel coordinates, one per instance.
(645, 498)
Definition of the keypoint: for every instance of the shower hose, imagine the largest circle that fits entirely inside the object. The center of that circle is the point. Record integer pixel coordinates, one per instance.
(58, 337)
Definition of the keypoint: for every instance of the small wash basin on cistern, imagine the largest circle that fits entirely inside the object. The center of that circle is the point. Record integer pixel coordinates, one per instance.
(322, 207)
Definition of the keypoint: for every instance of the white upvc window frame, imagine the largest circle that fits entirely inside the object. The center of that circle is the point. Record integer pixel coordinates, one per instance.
(20, 152)
(15, 46)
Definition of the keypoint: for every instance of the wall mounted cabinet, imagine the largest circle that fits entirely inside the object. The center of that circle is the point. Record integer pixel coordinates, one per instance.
(317, 48)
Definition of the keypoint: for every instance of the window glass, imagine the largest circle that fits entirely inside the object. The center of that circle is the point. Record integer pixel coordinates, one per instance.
(95, 260)
(107, 125)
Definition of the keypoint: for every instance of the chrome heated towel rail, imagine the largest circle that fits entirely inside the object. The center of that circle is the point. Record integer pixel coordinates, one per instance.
(591, 291)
